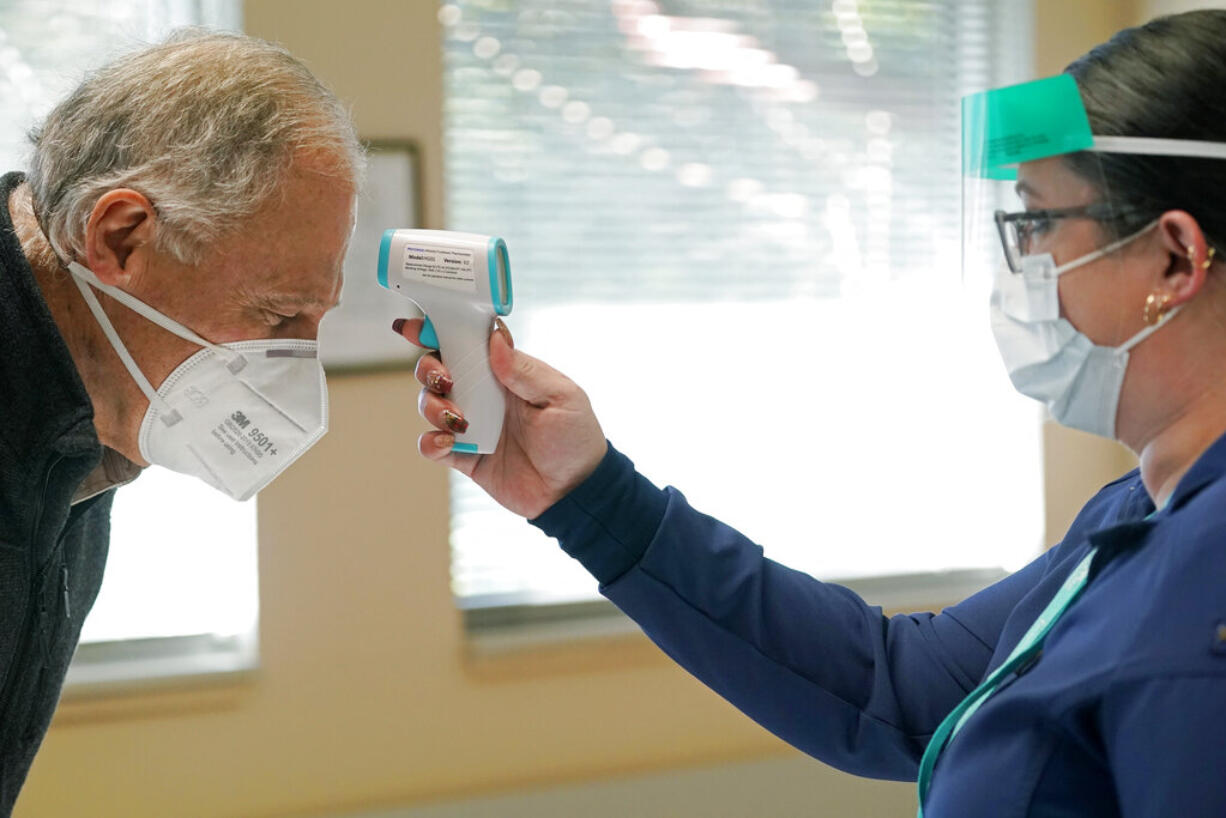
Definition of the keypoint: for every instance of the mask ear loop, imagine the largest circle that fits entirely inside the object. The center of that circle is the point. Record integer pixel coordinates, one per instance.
(1110, 248)
(234, 360)
(1148, 331)
(169, 415)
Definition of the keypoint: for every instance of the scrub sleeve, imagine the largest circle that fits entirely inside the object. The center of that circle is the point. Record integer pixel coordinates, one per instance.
(808, 660)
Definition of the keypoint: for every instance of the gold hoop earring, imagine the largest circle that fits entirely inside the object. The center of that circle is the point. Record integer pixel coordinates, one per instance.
(1155, 308)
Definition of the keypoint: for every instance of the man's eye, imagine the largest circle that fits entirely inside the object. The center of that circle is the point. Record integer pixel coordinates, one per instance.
(275, 319)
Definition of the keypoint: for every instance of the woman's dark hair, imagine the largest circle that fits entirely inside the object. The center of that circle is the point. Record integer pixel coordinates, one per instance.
(1165, 79)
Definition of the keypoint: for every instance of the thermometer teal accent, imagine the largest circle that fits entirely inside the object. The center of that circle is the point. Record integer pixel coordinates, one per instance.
(461, 281)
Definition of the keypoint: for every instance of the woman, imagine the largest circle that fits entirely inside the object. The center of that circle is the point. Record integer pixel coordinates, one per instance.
(1093, 681)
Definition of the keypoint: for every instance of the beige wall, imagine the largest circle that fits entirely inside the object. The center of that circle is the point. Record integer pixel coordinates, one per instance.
(1064, 29)
(367, 696)
(1154, 8)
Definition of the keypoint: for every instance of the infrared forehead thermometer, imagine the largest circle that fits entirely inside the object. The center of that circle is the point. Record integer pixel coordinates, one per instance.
(461, 281)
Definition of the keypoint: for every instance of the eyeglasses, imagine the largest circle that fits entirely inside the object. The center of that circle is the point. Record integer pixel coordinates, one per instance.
(1019, 230)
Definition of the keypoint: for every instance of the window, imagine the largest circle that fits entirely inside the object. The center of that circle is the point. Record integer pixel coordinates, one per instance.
(180, 590)
(736, 224)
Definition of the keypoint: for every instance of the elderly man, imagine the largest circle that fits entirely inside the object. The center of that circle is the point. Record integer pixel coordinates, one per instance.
(163, 271)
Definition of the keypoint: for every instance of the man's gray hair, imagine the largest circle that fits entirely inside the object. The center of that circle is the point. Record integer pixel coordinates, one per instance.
(205, 125)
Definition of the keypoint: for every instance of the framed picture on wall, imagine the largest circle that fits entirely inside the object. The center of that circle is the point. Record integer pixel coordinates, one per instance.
(357, 335)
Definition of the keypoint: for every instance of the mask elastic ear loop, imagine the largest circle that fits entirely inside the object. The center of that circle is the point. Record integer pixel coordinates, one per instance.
(1110, 248)
(1148, 331)
(234, 360)
(169, 415)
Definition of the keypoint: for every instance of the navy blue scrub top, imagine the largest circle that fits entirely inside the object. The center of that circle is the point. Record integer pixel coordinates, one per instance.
(1122, 714)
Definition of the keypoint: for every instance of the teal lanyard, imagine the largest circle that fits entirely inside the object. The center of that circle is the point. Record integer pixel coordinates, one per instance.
(1026, 648)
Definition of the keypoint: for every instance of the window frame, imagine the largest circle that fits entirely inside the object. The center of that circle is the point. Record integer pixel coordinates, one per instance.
(100, 668)
(503, 627)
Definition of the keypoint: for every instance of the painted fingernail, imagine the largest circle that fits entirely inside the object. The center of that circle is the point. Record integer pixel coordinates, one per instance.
(398, 325)
(440, 383)
(444, 441)
(506, 333)
(454, 422)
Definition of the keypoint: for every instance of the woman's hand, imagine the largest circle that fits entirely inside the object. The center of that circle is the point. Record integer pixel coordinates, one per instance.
(551, 441)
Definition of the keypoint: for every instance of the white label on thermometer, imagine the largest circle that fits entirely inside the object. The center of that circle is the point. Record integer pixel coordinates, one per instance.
(441, 266)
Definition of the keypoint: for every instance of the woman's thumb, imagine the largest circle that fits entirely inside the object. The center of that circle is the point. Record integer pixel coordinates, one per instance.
(526, 377)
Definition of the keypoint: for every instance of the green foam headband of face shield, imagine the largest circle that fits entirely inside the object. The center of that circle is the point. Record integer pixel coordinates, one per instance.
(1035, 120)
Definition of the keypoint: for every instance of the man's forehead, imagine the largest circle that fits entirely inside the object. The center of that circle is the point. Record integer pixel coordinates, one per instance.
(297, 264)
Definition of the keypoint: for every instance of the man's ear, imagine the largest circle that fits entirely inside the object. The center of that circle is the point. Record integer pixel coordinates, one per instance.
(119, 236)
(1189, 256)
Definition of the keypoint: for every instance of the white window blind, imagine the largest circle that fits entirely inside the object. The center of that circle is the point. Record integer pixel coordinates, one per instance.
(736, 224)
(180, 589)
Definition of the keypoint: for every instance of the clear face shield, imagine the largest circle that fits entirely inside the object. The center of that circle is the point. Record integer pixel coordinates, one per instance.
(1038, 203)
(1033, 183)
(1036, 180)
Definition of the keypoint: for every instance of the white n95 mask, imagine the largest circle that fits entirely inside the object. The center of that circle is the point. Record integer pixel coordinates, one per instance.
(235, 415)
(1046, 357)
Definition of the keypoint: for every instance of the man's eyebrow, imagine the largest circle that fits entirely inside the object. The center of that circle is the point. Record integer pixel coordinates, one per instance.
(294, 300)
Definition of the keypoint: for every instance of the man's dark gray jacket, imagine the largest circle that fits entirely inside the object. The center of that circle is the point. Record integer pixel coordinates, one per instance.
(52, 552)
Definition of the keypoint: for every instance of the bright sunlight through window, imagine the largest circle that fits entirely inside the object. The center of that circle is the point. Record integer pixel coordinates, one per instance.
(736, 224)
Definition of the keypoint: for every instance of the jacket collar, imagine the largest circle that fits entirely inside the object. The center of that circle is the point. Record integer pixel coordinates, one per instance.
(47, 408)
(1132, 533)
(1110, 542)
(1208, 468)
(114, 471)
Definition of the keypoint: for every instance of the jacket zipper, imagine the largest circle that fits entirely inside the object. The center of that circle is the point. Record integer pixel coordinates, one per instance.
(33, 600)
(64, 589)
